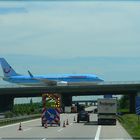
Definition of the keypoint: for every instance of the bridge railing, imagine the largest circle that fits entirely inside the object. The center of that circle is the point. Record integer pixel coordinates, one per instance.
(118, 82)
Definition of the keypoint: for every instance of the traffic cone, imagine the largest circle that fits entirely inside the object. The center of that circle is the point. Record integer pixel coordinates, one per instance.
(20, 127)
(74, 119)
(64, 124)
(46, 125)
(67, 123)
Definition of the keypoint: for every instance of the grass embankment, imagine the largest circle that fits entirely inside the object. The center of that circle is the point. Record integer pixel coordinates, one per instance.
(7, 121)
(123, 111)
(131, 124)
(21, 112)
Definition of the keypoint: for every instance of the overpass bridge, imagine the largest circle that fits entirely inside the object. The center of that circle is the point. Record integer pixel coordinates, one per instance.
(8, 93)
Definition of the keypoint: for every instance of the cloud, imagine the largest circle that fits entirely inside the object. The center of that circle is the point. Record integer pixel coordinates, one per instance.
(72, 29)
(73, 37)
(12, 10)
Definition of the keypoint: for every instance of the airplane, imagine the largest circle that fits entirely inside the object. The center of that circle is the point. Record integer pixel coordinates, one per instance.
(45, 80)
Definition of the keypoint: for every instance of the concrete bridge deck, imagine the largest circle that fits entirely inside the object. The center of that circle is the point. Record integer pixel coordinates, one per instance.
(102, 88)
(8, 93)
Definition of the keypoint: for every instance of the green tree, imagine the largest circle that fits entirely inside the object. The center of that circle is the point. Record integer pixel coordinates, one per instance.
(124, 102)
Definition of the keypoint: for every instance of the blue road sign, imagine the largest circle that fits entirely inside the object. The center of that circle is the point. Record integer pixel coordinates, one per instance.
(138, 105)
(50, 114)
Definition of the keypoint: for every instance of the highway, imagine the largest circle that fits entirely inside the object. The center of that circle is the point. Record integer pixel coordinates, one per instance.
(85, 131)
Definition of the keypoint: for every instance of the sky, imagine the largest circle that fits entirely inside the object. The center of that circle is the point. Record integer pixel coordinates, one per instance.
(94, 37)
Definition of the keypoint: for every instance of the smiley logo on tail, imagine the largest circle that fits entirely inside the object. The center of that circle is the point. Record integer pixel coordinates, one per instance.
(7, 70)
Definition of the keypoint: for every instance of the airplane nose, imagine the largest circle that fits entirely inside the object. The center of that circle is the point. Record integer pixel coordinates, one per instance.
(100, 79)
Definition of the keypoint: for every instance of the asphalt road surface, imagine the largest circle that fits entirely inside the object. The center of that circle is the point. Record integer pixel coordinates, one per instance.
(79, 131)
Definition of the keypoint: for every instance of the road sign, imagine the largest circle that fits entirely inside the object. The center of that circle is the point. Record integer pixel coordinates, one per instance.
(138, 105)
(53, 116)
(50, 114)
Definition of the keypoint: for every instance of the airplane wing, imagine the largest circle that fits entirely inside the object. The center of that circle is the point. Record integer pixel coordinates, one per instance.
(30, 74)
(48, 82)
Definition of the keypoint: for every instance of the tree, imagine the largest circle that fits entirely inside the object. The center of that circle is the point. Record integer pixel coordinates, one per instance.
(124, 102)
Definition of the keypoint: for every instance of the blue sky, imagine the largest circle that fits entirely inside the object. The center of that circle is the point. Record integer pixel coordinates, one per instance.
(72, 37)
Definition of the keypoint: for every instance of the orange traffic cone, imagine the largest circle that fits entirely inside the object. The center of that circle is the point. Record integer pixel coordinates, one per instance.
(46, 125)
(64, 124)
(67, 123)
(20, 127)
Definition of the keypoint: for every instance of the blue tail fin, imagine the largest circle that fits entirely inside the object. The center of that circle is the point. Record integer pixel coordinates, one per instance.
(7, 69)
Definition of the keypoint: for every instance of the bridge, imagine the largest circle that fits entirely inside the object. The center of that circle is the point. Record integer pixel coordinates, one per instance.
(8, 93)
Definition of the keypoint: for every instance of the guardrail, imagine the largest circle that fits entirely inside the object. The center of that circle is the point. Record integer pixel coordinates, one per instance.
(18, 119)
(11, 86)
(118, 82)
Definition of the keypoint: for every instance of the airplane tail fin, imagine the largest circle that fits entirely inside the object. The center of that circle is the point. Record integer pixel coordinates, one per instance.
(7, 69)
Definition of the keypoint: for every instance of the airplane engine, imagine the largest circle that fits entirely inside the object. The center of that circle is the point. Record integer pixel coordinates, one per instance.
(62, 83)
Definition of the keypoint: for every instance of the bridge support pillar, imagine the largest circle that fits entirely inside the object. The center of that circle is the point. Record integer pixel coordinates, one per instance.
(132, 103)
(66, 101)
(6, 103)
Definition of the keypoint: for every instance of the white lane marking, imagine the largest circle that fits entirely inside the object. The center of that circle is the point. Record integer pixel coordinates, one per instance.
(43, 139)
(18, 123)
(60, 129)
(27, 129)
(98, 133)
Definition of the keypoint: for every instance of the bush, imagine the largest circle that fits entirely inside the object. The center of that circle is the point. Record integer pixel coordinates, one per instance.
(9, 114)
(23, 109)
